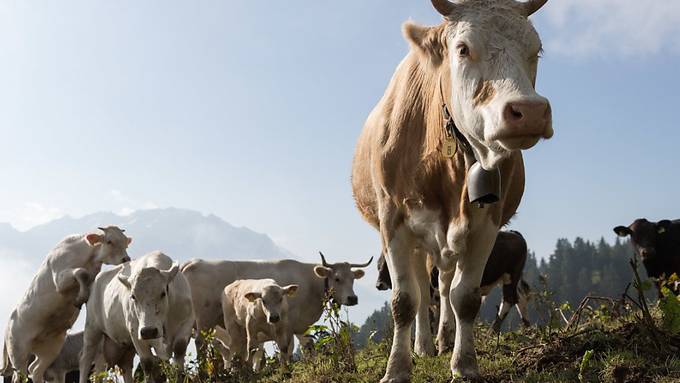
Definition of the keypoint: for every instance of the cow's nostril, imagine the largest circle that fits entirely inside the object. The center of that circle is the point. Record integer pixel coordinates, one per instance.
(273, 318)
(352, 300)
(149, 333)
(515, 113)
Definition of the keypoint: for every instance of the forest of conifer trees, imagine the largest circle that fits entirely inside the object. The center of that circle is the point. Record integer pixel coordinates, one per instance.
(573, 271)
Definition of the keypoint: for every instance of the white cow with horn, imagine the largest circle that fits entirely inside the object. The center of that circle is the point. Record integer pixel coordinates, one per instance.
(438, 167)
(209, 278)
(51, 305)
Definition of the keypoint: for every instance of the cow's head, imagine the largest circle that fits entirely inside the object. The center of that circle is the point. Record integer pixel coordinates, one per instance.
(340, 279)
(149, 299)
(111, 246)
(274, 300)
(644, 235)
(384, 282)
(490, 51)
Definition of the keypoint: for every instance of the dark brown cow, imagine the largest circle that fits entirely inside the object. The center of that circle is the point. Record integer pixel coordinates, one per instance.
(657, 244)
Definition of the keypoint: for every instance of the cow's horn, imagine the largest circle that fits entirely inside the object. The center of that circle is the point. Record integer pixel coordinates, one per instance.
(102, 229)
(444, 7)
(361, 265)
(532, 6)
(323, 260)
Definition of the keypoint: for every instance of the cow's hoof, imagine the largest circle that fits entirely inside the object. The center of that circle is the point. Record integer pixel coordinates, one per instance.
(467, 373)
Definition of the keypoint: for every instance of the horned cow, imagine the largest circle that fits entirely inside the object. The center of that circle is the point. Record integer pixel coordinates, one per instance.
(467, 83)
(208, 279)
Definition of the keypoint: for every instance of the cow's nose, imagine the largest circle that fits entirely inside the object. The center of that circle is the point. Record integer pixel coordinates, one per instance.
(352, 300)
(382, 286)
(148, 333)
(126, 259)
(273, 318)
(528, 118)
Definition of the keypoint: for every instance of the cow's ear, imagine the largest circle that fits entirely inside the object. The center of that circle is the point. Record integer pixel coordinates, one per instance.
(622, 231)
(170, 274)
(290, 290)
(427, 41)
(663, 226)
(125, 280)
(129, 239)
(93, 239)
(358, 273)
(252, 296)
(322, 271)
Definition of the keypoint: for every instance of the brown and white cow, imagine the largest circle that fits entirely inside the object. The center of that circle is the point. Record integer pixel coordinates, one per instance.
(481, 64)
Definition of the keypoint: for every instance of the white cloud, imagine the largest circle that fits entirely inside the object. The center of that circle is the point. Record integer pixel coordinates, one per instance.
(127, 205)
(620, 27)
(33, 214)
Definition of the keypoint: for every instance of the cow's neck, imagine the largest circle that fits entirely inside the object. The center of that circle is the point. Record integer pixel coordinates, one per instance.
(414, 140)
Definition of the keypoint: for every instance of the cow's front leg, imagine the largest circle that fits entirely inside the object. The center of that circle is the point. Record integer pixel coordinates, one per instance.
(251, 340)
(92, 339)
(466, 297)
(446, 331)
(405, 301)
(284, 340)
(424, 345)
(68, 279)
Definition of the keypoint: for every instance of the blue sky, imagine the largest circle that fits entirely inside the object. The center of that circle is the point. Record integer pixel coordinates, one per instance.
(250, 110)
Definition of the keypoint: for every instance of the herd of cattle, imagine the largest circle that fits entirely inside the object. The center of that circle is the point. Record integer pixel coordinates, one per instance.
(151, 306)
(438, 171)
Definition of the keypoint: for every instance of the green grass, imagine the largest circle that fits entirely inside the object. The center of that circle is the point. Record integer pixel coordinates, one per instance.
(621, 350)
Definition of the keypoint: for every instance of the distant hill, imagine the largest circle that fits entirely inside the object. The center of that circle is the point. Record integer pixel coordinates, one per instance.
(182, 234)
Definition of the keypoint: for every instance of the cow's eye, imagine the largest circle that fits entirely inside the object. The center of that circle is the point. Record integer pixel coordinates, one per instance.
(163, 294)
(463, 50)
(337, 280)
(109, 242)
(133, 297)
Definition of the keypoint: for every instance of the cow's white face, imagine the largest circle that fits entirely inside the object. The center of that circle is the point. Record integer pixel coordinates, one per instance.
(492, 50)
(274, 300)
(111, 246)
(340, 277)
(149, 299)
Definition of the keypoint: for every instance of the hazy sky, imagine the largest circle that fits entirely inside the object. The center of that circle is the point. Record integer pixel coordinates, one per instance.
(251, 109)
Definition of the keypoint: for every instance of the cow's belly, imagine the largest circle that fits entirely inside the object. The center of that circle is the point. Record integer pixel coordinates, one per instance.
(488, 286)
(45, 318)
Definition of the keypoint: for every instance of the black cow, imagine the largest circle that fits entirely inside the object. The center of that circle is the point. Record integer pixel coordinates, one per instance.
(505, 266)
(657, 244)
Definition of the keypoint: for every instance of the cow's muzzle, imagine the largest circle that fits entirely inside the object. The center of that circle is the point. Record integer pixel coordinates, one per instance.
(382, 286)
(352, 300)
(148, 333)
(274, 318)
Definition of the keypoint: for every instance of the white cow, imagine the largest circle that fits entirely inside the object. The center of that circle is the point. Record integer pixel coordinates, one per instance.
(256, 311)
(38, 324)
(208, 278)
(141, 305)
